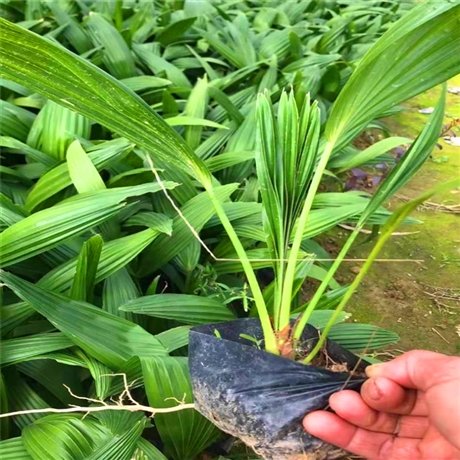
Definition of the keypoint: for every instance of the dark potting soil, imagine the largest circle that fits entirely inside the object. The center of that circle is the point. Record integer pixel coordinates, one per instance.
(325, 361)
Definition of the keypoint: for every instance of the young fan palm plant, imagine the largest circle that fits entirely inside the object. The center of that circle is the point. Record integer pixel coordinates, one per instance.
(292, 157)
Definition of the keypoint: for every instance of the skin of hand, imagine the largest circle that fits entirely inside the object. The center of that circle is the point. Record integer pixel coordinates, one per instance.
(409, 409)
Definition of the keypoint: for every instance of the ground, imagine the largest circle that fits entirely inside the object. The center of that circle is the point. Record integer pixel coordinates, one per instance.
(419, 301)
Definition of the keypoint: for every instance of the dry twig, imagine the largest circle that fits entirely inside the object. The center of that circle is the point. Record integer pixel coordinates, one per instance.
(429, 205)
(440, 335)
(444, 298)
(118, 405)
(369, 232)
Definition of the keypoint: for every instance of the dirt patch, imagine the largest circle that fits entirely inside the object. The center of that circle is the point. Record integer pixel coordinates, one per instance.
(367, 138)
(417, 301)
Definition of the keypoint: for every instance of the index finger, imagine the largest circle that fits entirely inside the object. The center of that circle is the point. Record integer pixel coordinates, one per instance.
(334, 430)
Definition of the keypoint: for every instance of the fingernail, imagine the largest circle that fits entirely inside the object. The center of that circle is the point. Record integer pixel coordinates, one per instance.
(375, 370)
(374, 391)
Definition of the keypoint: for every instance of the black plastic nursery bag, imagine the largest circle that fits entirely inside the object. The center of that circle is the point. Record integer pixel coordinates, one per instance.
(262, 398)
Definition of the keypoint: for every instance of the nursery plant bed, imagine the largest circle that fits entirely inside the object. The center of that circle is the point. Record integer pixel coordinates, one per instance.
(261, 398)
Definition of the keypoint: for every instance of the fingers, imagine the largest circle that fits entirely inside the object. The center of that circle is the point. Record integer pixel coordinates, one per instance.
(437, 377)
(383, 394)
(333, 429)
(390, 417)
(418, 369)
(351, 407)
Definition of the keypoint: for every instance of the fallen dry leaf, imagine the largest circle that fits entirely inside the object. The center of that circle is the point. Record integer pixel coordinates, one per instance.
(454, 89)
(455, 141)
(427, 110)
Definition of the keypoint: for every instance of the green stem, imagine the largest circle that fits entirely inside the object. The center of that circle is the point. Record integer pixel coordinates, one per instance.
(380, 243)
(286, 299)
(269, 334)
(188, 280)
(278, 288)
(303, 320)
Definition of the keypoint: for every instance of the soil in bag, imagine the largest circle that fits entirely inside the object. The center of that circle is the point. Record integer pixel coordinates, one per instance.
(262, 398)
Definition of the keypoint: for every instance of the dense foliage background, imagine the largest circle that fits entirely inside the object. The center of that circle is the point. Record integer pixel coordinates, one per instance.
(104, 276)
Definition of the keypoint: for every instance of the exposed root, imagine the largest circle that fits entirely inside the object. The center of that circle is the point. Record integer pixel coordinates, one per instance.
(118, 404)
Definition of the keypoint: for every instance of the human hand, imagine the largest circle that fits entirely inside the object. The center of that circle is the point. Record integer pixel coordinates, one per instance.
(408, 409)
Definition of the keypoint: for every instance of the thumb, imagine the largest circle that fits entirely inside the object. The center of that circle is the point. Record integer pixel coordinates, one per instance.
(438, 377)
(418, 369)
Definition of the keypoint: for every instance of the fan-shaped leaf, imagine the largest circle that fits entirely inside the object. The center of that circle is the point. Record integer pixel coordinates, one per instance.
(404, 62)
(88, 260)
(21, 349)
(58, 178)
(14, 449)
(77, 84)
(185, 433)
(114, 256)
(197, 211)
(108, 338)
(185, 308)
(48, 228)
(73, 438)
(361, 337)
